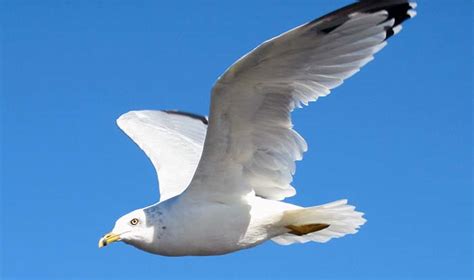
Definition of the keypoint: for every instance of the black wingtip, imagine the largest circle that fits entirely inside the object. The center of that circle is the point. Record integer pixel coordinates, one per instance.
(398, 10)
(399, 13)
(203, 119)
(330, 29)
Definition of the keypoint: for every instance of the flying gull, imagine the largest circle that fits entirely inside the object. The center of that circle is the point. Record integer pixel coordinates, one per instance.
(223, 179)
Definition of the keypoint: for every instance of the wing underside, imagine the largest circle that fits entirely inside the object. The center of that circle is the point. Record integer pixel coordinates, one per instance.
(172, 140)
(251, 145)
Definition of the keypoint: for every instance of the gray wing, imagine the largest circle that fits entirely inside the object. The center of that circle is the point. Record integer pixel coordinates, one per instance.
(172, 140)
(250, 144)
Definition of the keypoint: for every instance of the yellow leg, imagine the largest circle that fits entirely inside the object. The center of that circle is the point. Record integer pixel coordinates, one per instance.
(305, 229)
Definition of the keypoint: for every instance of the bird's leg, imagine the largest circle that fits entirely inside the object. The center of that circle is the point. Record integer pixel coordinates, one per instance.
(305, 229)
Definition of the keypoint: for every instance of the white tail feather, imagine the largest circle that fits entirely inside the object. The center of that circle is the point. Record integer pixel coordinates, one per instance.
(341, 218)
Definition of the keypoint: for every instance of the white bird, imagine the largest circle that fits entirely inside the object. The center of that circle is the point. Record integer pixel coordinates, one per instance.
(222, 180)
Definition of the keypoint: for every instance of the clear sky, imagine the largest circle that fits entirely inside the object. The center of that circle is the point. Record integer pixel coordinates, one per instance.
(395, 139)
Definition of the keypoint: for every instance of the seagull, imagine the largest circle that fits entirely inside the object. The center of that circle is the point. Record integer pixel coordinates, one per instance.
(223, 179)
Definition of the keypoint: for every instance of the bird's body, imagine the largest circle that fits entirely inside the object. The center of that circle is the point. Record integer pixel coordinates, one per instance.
(222, 179)
(250, 221)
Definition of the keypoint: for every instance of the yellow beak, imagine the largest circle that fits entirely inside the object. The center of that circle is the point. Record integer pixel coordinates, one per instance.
(108, 238)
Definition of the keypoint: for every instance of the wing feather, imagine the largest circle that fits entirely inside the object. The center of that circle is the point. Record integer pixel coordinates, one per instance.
(172, 140)
(251, 145)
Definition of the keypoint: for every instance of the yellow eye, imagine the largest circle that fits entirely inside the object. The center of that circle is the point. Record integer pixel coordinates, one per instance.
(134, 221)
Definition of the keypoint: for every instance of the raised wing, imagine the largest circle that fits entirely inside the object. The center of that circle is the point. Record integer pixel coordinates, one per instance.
(172, 140)
(250, 144)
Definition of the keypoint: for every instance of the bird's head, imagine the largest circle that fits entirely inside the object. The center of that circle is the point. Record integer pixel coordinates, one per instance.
(132, 228)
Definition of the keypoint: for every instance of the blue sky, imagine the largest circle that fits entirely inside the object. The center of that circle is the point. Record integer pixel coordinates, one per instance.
(396, 139)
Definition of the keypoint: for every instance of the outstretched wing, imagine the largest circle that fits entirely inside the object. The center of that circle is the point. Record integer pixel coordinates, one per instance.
(250, 144)
(172, 140)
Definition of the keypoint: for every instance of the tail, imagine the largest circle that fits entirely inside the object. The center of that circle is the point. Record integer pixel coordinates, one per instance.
(320, 223)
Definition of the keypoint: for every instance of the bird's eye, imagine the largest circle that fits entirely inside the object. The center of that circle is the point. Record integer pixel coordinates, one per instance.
(134, 221)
